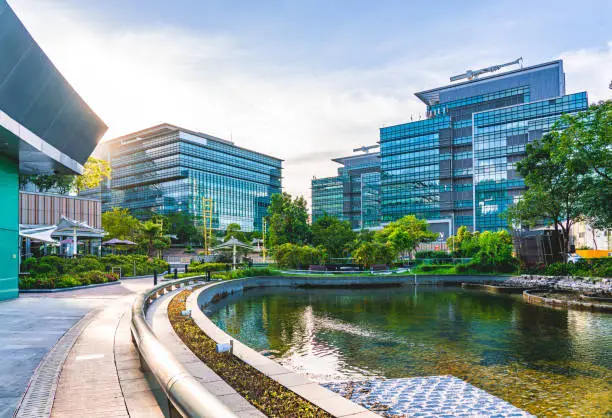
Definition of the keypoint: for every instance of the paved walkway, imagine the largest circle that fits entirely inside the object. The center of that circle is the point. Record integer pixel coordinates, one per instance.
(102, 364)
(157, 315)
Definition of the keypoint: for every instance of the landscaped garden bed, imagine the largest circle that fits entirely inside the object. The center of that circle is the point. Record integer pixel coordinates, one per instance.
(265, 394)
(52, 272)
(66, 281)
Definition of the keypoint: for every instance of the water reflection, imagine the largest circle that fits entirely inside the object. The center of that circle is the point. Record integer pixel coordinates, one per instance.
(550, 362)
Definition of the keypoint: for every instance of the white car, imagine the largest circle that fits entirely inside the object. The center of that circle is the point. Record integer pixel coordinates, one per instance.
(574, 258)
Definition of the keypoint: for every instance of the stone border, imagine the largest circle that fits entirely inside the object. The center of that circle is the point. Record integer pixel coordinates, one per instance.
(302, 386)
(573, 304)
(492, 288)
(67, 289)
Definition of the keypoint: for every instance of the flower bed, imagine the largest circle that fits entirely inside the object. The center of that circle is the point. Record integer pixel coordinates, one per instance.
(265, 394)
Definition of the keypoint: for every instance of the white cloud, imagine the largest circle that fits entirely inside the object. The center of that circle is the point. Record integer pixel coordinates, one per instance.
(589, 70)
(138, 77)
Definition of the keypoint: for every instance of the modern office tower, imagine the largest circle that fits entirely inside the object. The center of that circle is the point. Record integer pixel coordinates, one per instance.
(353, 195)
(45, 127)
(166, 169)
(458, 166)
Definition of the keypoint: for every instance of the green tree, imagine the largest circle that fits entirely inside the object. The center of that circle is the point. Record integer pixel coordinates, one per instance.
(555, 193)
(182, 226)
(406, 233)
(153, 239)
(287, 220)
(495, 251)
(298, 256)
(464, 243)
(95, 171)
(375, 252)
(584, 148)
(234, 230)
(119, 223)
(332, 234)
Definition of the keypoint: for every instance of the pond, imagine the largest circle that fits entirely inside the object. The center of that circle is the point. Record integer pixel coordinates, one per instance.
(546, 361)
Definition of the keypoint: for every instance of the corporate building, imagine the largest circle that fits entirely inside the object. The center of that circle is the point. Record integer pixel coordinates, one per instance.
(458, 166)
(354, 194)
(166, 169)
(45, 127)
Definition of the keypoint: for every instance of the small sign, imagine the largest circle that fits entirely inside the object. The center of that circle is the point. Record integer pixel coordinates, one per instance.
(186, 312)
(223, 348)
(226, 348)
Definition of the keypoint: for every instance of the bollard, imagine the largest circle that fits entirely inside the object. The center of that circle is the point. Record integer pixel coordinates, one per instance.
(154, 277)
(175, 274)
(186, 269)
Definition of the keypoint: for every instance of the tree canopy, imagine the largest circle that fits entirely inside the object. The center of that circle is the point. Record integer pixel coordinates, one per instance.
(332, 234)
(287, 220)
(119, 223)
(567, 174)
(406, 233)
(94, 172)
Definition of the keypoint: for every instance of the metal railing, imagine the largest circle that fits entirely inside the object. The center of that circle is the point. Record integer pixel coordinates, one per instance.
(186, 396)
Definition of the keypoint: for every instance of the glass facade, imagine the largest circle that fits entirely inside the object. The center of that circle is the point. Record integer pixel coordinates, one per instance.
(353, 195)
(457, 167)
(167, 169)
(500, 137)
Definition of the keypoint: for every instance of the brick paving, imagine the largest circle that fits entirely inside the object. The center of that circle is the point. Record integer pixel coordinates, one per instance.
(101, 376)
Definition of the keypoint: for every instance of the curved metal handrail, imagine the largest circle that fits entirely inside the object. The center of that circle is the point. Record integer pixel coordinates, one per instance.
(184, 392)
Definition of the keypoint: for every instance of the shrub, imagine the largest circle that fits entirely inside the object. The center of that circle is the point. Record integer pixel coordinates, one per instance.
(69, 281)
(433, 267)
(206, 267)
(85, 264)
(94, 277)
(432, 254)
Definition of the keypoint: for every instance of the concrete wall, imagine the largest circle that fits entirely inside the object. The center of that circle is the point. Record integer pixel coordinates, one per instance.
(9, 228)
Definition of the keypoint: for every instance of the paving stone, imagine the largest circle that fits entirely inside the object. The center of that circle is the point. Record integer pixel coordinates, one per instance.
(432, 396)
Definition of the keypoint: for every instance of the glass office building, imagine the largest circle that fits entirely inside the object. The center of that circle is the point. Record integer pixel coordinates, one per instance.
(167, 169)
(353, 195)
(457, 166)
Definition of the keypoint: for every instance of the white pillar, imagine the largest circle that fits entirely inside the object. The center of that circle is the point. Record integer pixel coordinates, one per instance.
(234, 254)
(74, 242)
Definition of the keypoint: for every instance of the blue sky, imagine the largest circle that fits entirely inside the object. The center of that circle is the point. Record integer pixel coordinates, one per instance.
(302, 80)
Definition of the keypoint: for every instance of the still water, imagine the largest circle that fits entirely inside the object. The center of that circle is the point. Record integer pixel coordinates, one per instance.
(548, 362)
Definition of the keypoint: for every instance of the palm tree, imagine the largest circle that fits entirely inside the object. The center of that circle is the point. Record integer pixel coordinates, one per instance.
(151, 231)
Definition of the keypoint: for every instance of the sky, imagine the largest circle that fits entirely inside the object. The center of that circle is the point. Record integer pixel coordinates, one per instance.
(307, 80)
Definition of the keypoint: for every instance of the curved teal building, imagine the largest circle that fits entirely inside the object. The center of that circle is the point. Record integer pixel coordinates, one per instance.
(45, 127)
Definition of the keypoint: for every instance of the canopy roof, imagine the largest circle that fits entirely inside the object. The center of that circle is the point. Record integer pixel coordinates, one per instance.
(65, 227)
(116, 241)
(231, 243)
(38, 234)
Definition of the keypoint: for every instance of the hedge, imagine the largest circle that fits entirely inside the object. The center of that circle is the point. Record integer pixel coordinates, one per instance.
(59, 282)
(54, 266)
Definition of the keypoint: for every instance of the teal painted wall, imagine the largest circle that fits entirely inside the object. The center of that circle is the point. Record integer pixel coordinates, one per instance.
(9, 228)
